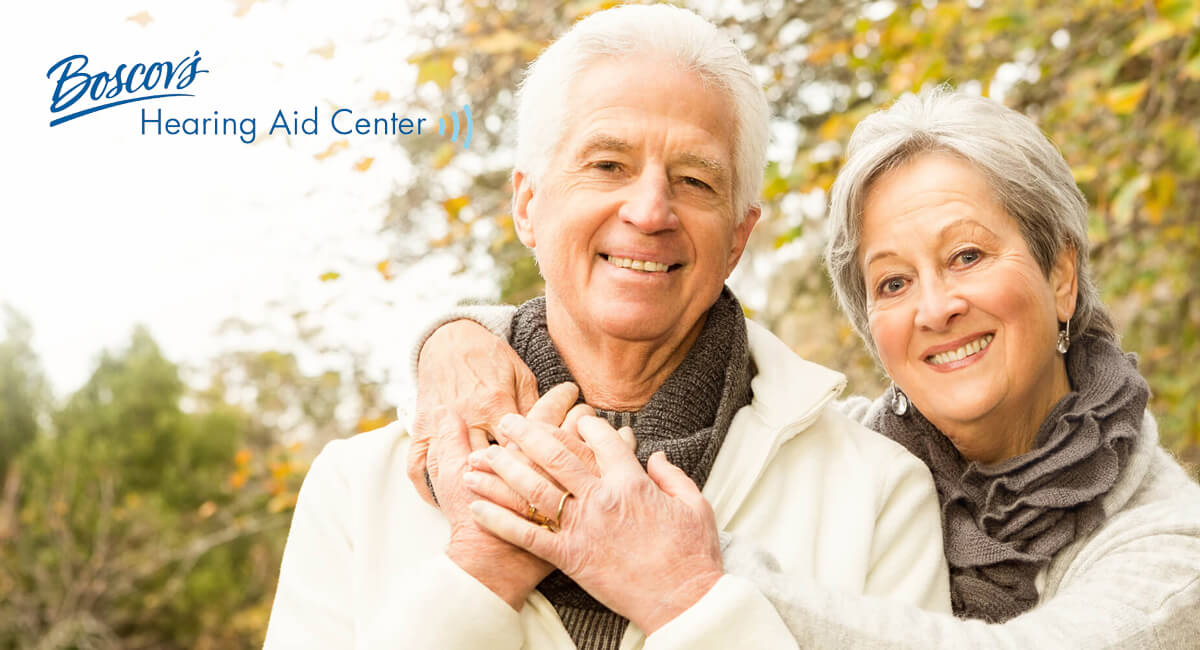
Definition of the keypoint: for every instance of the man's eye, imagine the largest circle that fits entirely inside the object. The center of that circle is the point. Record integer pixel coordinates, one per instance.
(607, 166)
(696, 182)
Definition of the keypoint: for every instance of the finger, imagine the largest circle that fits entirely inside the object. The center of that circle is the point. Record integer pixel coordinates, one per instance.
(528, 484)
(571, 422)
(626, 434)
(477, 438)
(670, 479)
(418, 456)
(525, 383)
(516, 530)
(489, 486)
(612, 452)
(553, 406)
(539, 444)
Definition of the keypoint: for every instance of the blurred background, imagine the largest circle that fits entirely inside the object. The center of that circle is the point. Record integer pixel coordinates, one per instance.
(186, 320)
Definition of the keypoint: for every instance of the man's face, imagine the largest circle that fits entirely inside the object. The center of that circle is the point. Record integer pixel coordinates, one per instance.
(633, 223)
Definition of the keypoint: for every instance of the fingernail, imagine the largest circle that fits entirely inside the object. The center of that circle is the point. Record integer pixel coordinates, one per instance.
(477, 508)
(471, 477)
(476, 458)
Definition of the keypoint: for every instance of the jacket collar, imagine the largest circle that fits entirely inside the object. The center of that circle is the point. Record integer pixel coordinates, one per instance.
(789, 395)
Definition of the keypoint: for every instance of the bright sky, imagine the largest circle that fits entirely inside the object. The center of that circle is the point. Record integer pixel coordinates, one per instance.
(102, 227)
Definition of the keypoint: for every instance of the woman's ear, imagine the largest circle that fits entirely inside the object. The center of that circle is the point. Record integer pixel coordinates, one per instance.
(522, 195)
(1064, 280)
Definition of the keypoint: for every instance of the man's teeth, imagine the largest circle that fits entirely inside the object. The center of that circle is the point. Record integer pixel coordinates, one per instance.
(637, 265)
(963, 352)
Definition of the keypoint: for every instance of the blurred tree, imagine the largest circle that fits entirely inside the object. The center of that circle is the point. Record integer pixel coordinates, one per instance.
(23, 392)
(1115, 84)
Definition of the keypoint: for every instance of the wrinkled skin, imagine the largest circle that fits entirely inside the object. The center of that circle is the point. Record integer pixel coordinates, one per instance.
(616, 528)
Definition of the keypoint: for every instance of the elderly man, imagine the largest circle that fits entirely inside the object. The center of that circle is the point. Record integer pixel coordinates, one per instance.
(640, 146)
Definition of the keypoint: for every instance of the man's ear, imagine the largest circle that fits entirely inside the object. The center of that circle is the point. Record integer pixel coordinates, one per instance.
(741, 234)
(1064, 280)
(522, 195)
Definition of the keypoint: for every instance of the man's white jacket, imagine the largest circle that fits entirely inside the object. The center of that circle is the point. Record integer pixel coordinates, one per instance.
(834, 503)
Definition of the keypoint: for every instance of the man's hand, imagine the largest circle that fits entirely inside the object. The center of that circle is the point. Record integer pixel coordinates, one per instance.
(603, 518)
(466, 369)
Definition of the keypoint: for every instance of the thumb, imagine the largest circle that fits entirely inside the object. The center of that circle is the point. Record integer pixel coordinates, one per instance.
(671, 479)
(527, 387)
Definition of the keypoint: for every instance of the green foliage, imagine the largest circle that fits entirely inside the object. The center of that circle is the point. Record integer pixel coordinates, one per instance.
(1115, 84)
(23, 392)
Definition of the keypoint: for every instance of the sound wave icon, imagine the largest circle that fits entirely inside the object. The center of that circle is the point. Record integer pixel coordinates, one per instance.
(454, 134)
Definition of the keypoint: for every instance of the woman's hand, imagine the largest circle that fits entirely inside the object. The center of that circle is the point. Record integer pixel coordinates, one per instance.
(467, 369)
(644, 543)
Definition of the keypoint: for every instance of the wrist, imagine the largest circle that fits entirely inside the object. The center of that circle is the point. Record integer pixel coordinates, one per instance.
(512, 581)
(671, 604)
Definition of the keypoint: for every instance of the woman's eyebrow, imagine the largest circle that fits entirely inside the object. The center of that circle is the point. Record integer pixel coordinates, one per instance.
(965, 224)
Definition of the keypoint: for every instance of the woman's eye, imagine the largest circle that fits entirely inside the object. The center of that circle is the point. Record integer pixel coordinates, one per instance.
(890, 286)
(969, 256)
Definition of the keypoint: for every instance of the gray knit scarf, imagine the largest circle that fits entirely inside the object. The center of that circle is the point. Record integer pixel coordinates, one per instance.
(687, 418)
(1003, 522)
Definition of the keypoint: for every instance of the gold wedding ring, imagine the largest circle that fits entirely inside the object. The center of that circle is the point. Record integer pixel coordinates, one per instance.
(561, 502)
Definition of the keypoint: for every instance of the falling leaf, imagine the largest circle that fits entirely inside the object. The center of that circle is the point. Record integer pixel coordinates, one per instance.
(381, 96)
(364, 164)
(385, 269)
(325, 51)
(329, 276)
(333, 148)
(142, 18)
(455, 205)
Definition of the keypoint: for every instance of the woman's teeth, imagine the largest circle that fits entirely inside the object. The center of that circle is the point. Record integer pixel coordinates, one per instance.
(961, 353)
(637, 265)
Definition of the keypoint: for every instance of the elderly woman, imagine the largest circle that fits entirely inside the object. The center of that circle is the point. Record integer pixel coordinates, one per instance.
(640, 148)
(959, 251)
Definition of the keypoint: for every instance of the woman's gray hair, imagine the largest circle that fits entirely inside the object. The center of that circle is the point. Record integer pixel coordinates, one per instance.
(1025, 171)
(631, 33)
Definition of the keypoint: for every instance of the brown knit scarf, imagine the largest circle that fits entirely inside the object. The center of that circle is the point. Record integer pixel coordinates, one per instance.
(1002, 523)
(687, 418)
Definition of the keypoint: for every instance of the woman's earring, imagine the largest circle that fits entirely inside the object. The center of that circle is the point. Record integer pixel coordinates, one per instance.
(899, 401)
(1064, 338)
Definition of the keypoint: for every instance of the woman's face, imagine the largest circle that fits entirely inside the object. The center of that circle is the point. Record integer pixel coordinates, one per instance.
(964, 319)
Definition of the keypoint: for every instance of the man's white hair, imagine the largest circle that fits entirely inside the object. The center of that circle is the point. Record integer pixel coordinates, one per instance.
(631, 33)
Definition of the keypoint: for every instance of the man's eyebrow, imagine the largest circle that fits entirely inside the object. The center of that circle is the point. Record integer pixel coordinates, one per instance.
(711, 165)
(603, 142)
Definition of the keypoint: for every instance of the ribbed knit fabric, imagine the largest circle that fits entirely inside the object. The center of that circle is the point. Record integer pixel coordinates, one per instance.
(1004, 522)
(686, 418)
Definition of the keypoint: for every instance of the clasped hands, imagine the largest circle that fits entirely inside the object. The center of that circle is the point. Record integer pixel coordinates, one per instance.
(643, 542)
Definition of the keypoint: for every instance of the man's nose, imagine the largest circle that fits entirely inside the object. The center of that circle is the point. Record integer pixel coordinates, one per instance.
(648, 205)
(939, 304)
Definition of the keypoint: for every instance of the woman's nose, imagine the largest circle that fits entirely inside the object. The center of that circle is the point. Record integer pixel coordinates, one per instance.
(648, 205)
(939, 305)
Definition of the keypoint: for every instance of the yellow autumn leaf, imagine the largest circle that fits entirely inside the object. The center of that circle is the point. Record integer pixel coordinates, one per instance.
(385, 269)
(329, 276)
(142, 18)
(364, 164)
(324, 51)
(438, 69)
(1123, 99)
(443, 155)
(242, 457)
(381, 96)
(455, 205)
(333, 148)
(1154, 33)
(1192, 69)
(1084, 173)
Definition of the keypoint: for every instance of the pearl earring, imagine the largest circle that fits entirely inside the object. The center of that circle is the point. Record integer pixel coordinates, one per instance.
(1064, 338)
(899, 401)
